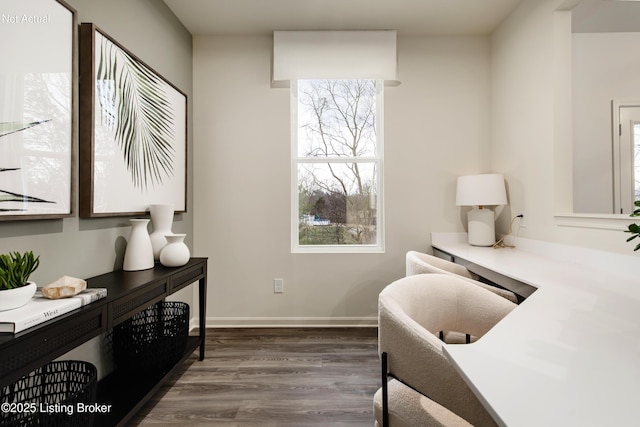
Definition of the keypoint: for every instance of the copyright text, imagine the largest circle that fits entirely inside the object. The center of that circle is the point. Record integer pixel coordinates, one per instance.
(56, 408)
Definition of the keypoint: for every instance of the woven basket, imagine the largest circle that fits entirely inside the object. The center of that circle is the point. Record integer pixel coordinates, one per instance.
(154, 339)
(49, 396)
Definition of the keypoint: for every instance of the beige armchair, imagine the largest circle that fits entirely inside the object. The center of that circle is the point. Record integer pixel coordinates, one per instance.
(408, 408)
(421, 263)
(410, 311)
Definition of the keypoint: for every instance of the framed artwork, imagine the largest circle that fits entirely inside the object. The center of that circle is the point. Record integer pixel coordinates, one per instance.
(133, 132)
(38, 104)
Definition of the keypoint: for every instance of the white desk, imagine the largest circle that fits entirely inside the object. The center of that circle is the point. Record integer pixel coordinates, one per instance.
(569, 355)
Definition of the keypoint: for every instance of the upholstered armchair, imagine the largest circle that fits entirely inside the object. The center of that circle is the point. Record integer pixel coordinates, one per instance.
(408, 408)
(421, 263)
(411, 311)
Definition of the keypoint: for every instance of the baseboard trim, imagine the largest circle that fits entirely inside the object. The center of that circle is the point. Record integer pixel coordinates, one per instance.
(291, 322)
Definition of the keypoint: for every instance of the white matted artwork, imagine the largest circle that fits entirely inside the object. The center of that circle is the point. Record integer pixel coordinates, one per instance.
(133, 123)
(37, 108)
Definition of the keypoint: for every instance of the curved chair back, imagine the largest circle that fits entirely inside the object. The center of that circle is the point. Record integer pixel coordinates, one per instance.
(411, 310)
(421, 263)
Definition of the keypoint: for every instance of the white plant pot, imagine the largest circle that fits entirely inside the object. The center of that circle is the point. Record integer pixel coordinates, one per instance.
(17, 297)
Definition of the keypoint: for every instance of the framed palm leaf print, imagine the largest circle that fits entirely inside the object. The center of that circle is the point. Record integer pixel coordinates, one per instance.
(133, 149)
(38, 109)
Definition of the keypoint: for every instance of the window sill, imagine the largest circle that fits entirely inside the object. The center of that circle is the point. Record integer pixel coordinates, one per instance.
(596, 221)
(338, 249)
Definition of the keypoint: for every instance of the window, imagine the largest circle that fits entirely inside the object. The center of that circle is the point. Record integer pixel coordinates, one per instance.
(337, 166)
(626, 156)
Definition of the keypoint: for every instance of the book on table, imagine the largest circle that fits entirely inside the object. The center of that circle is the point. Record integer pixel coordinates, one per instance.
(40, 309)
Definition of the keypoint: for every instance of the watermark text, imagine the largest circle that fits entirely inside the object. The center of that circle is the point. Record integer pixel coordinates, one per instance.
(24, 19)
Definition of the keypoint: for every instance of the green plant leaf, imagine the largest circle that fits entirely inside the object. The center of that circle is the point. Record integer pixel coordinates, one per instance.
(15, 269)
(633, 228)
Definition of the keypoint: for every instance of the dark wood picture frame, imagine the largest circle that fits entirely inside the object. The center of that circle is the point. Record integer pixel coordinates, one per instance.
(39, 113)
(133, 132)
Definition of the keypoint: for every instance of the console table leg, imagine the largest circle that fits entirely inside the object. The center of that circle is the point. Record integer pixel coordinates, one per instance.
(202, 296)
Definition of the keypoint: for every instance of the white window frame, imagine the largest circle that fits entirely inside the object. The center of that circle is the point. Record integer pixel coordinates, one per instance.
(625, 116)
(379, 247)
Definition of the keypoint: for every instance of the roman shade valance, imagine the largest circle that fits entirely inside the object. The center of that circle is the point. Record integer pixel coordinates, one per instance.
(334, 55)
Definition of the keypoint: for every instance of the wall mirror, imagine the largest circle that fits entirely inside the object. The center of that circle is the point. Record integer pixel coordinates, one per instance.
(605, 106)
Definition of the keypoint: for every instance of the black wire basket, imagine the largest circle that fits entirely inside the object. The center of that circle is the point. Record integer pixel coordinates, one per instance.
(56, 394)
(152, 340)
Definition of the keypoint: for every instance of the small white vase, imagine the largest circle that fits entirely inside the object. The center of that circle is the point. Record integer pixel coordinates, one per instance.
(161, 221)
(16, 297)
(139, 252)
(176, 253)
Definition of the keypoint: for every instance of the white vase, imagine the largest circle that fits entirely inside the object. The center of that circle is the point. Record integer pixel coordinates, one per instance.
(139, 252)
(16, 297)
(161, 221)
(176, 253)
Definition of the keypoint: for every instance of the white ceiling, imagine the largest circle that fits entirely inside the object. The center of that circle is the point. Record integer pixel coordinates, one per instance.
(408, 17)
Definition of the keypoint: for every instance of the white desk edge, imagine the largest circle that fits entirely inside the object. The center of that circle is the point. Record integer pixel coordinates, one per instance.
(570, 354)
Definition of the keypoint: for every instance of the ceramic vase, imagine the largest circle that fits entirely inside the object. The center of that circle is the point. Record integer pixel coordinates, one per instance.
(139, 252)
(16, 297)
(161, 221)
(176, 253)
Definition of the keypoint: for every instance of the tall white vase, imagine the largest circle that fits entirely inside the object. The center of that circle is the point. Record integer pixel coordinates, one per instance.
(176, 253)
(139, 252)
(161, 221)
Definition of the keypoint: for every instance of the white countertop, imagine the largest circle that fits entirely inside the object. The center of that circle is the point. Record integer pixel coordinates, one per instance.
(569, 355)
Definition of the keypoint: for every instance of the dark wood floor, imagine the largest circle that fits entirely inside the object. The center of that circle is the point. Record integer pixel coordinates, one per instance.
(273, 377)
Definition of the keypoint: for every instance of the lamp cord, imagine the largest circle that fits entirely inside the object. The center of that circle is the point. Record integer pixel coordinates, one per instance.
(500, 243)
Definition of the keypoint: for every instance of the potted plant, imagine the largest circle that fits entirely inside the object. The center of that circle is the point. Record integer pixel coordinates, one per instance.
(634, 229)
(15, 288)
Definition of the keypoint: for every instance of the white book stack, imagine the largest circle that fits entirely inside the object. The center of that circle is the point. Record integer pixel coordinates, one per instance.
(41, 309)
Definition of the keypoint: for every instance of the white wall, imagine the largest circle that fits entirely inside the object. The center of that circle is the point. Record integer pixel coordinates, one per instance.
(436, 128)
(531, 128)
(606, 67)
(522, 111)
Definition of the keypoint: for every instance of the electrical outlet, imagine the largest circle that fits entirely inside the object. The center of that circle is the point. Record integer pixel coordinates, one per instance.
(278, 286)
(523, 220)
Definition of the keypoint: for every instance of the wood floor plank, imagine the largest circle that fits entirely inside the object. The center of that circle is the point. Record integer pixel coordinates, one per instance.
(281, 377)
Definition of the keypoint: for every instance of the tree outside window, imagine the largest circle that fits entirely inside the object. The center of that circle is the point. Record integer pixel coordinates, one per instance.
(337, 150)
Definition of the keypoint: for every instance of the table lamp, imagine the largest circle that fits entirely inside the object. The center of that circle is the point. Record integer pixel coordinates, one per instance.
(480, 191)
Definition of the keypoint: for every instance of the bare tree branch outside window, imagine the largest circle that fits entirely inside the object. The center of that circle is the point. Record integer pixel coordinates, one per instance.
(337, 162)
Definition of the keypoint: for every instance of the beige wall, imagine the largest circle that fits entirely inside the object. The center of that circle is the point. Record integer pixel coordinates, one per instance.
(436, 127)
(531, 128)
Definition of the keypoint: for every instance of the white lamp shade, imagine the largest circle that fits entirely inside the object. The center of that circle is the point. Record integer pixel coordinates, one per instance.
(481, 190)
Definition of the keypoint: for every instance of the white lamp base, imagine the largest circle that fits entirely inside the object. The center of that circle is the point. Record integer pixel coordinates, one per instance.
(482, 227)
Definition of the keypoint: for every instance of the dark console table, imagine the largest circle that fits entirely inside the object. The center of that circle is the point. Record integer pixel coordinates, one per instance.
(128, 292)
